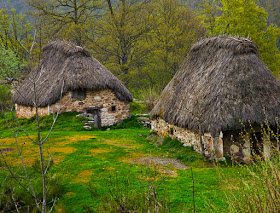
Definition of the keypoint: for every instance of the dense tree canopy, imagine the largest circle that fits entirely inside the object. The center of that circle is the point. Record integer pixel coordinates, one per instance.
(142, 42)
(247, 19)
(9, 64)
(16, 32)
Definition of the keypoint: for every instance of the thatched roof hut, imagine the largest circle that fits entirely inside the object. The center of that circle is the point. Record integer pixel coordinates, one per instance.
(221, 84)
(65, 67)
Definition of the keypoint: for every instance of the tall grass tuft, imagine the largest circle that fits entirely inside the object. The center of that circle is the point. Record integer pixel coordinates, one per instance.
(126, 196)
(259, 188)
(258, 183)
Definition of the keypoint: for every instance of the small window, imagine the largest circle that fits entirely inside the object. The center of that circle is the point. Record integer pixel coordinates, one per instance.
(78, 95)
(113, 108)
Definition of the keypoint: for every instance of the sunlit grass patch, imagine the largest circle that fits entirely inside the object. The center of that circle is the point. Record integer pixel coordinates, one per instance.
(97, 151)
(133, 156)
(55, 147)
(83, 177)
(230, 184)
(21, 140)
(70, 194)
(65, 140)
(65, 150)
(29, 155)
(123, 143)
(74, 139)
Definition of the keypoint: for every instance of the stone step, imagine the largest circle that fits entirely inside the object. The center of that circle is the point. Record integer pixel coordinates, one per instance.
(145, 119)
(87, 127)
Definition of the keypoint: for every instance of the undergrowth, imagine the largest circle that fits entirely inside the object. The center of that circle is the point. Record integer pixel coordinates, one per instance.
(19, 191)
(256, 188)
(66, 121)
(129, 123)
(126, 196)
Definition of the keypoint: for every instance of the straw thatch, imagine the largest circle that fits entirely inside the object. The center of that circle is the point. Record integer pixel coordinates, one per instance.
(221, 84)
(65, 67)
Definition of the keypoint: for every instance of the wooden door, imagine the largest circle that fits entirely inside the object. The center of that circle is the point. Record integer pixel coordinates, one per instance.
(97, 118)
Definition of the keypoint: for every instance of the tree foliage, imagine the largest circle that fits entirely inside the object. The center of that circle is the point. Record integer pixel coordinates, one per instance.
(5, 98)
(175, 28)
(9, 63)
(64, 19)
(16, 32)
(144, 42)
(246, 18)
(118, 34)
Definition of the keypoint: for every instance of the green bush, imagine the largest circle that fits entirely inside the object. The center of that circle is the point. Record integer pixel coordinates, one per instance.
(5, 98)
(138, 107)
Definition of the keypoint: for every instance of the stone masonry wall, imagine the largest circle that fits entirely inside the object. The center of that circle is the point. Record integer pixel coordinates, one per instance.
(230, 143)
(239, 145)
(103, 99)
(205, 144)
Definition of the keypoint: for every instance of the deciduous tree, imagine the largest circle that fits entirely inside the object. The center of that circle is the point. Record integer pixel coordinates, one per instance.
(246, 18)
(64, 19)
(16, 32)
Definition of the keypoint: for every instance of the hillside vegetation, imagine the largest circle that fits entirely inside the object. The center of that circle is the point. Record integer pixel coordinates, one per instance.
(141, 42)
(127, 167)
(100, 170)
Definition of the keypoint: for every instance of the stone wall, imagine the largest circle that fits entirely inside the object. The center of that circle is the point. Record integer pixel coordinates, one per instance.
(229, 143)
(28, 112)
(210, 147)
(239, 145)
(112, 109)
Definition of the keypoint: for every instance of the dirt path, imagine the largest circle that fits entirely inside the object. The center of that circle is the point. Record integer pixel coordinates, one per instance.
(166, 166)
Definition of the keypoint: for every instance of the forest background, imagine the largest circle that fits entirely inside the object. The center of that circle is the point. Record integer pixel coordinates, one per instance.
(142, 42)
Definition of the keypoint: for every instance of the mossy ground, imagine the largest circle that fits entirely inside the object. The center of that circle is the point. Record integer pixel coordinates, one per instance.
(94, 163)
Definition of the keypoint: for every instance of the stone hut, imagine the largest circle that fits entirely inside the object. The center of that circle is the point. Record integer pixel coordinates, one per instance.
(219, 99)
(69, 79)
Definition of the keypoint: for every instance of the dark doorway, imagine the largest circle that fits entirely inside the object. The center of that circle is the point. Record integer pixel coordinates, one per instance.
(96, 114)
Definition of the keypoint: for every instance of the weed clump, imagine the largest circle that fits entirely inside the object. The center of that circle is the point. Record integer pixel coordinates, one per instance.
(124, 196)
(19, 192)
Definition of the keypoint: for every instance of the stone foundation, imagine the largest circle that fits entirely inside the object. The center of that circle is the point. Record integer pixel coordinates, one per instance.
(112, 109)
(211, 147)
(230, 143)
(237, 147)
(240, 147)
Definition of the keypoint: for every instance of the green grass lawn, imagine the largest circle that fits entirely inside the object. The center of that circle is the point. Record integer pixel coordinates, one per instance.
(97, 167)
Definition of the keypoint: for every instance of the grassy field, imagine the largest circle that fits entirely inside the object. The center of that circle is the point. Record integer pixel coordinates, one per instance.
(100, 169)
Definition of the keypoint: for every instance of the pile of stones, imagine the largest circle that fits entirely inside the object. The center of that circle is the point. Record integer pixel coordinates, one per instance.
(144, 119)
(88, 123)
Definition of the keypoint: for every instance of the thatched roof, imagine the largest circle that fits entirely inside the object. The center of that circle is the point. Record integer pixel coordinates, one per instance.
(65, 67)
(221, 84)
